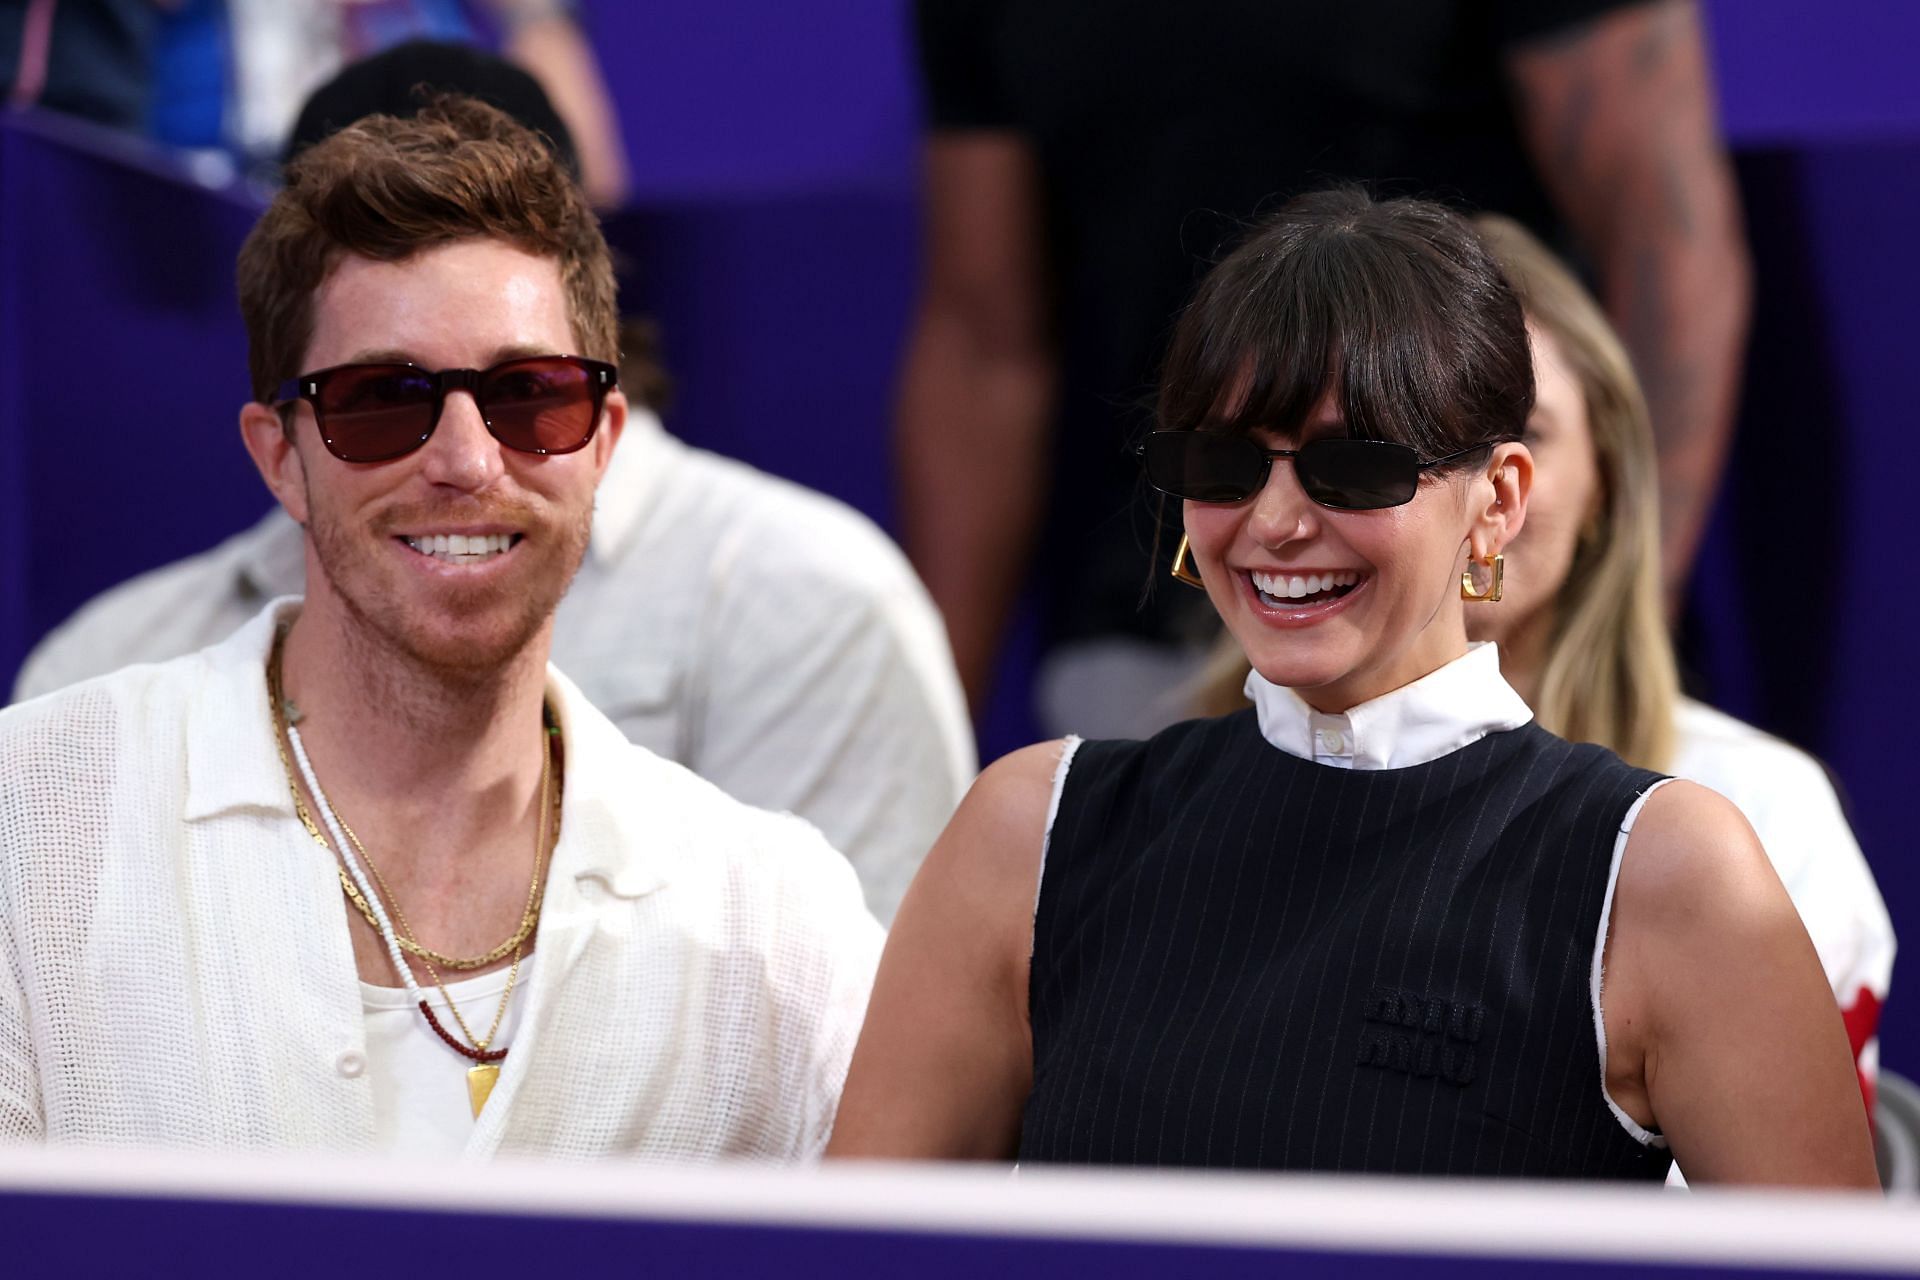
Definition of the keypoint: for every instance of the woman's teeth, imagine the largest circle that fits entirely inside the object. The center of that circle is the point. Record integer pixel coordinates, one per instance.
(460, 548)
(1281, 588)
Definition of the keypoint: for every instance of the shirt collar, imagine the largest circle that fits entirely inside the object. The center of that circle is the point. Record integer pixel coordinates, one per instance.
(231, 762)
(618, 816)
(1458, 704)
(619, 824)
(272, 561)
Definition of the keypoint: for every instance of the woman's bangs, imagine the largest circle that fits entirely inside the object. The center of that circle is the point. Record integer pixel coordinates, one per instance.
(1272, 372)
(1257, 376)
(1391, 384)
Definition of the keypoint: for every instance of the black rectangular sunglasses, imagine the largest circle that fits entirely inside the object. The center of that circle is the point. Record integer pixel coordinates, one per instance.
(1334, 471)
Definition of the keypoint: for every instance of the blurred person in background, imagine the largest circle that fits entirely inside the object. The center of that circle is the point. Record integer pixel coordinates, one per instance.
(1083, 165)
(87, 58)
(1581, 636)
(770, 638)
(1382, 921)
(234, 73)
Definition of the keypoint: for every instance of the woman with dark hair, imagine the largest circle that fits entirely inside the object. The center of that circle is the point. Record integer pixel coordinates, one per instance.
(1582, 636)
(1380, 921)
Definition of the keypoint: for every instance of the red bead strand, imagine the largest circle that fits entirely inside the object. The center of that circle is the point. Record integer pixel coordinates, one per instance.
(478, 1055)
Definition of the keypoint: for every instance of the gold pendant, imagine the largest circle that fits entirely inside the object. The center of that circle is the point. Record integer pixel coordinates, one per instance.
(480, 1082)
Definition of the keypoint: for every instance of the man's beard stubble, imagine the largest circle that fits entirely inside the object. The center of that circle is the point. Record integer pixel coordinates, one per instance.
(394, 627)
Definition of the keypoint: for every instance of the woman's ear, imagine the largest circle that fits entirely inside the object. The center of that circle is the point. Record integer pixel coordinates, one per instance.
(269, 442)
(1497, 522)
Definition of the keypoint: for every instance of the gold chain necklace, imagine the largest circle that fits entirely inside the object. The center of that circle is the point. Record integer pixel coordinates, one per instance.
(529, 915)
(528, 919)
(404, 931)
(481, 1077)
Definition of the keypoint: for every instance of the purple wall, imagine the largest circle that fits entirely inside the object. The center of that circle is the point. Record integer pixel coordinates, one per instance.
(124, 369)
(774, 235)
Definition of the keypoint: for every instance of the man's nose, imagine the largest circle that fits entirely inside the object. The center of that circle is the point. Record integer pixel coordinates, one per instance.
(462, 453)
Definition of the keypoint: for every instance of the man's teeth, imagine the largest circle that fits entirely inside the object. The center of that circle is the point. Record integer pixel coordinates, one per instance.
(461, 548)
(1281, 586)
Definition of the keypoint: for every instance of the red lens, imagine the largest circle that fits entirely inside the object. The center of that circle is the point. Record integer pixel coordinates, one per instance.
(546, 404)
(372, 412)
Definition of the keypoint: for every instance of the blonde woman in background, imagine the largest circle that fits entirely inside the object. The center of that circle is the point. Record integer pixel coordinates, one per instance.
(1582, 639)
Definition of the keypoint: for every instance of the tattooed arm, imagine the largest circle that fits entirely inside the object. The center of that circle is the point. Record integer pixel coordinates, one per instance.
(1618, 114)
(974, 422)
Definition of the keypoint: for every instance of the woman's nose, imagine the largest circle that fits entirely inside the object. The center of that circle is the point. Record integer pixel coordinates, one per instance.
(1282, 512)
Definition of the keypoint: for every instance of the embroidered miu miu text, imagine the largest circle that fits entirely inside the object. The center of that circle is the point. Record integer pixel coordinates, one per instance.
(1419, 1035)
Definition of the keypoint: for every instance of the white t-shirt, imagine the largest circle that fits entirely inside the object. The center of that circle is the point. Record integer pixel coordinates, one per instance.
(420, 1100)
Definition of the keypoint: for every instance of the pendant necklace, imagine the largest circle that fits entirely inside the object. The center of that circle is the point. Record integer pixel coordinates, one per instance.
(355, 863)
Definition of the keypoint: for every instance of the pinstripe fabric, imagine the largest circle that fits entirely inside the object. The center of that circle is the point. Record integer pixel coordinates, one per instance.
(1243, 959)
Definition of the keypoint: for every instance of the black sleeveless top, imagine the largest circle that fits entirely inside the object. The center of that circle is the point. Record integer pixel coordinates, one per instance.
(1247, 960)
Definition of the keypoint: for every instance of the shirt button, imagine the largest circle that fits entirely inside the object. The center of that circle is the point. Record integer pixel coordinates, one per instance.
(350, 1064)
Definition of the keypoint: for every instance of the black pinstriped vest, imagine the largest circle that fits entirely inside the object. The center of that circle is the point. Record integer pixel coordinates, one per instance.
(1243, 959)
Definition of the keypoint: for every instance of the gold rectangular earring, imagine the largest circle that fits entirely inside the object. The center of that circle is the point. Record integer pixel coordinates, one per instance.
(1491, 595)
(1184, 570)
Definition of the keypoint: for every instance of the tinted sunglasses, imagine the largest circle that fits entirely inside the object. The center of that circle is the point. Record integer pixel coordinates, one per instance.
(377, 412)
(1335, 471)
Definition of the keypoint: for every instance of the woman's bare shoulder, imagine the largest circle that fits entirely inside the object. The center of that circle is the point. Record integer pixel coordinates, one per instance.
(1693, 858)
(990, 852)
(1697, 893)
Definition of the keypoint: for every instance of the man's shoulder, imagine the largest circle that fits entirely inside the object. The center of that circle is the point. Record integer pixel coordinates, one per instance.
(767, 878)
(774, 529)
(664, 809)
(86, 749)
(161, 614)
(714, 829)
(146, 696)
(141, 693)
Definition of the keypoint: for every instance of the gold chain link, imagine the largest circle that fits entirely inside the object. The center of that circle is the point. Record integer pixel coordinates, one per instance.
(535, 894)
(406, 930)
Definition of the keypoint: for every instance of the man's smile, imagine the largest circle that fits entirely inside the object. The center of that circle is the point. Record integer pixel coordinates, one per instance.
(461, 548)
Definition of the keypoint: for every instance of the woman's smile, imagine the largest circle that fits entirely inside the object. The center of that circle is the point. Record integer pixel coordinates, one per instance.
(1271, 596)
(1280, 586)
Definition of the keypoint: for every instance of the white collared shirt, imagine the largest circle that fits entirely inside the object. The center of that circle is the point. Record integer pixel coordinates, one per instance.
(1446, 709)
(175, 966)
(769, 638)
(1449, 708)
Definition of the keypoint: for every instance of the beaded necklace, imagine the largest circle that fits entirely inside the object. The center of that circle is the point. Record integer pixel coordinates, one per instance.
(355, 862)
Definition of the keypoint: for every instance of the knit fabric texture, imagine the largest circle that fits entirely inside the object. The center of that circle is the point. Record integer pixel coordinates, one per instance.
(175, 966)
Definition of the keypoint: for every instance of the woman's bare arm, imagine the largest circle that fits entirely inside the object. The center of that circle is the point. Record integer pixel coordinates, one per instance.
(1722, 1032)
(945, 1061)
